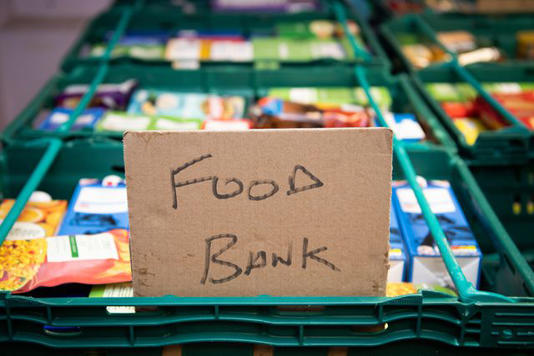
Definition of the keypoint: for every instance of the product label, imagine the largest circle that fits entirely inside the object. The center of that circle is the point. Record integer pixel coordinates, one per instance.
(439, 199)
(25, 231)
(97, 200)
(81, 247)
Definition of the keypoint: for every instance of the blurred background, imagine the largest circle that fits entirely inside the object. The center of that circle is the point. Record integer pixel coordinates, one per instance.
(36, 32)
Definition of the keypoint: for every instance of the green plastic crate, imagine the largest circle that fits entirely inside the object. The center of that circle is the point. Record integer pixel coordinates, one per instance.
(499, 32)
(501, 147)
(418, 347)
(157, 18)
(510, 190)
(339, 321)
(516, 74)
(250, 83)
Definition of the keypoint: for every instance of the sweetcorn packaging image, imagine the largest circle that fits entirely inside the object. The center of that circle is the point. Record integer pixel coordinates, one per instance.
(424, 262)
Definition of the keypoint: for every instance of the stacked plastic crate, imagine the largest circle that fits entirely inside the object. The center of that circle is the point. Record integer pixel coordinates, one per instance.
(499, 313)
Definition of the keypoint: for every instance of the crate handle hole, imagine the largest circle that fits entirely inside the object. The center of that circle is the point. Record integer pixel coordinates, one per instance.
(62, 331)
(118, 168)
(516, 205)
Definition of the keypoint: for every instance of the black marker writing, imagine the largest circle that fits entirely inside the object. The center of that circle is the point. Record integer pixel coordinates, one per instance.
(273, 186)
(256, 260)
(277, 259)
(311, 254)
(293, 189)
(174, 172)
(214, 259)
(274, 189)
(236, 181)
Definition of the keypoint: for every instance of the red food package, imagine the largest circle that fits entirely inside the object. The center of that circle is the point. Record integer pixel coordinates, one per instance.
(458, 110)
(489, 115)
(521, 105)
(46, 262)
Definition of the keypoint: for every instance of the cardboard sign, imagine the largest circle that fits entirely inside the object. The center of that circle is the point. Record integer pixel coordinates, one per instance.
(301, 212)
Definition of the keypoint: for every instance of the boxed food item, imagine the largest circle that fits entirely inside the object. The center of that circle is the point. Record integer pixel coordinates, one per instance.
(405, 126)
(107, 96)
(59, 116)
(186, 105)
(28, 263)
(119, 121)
(397, 257)
(425, 264)
(96, 206)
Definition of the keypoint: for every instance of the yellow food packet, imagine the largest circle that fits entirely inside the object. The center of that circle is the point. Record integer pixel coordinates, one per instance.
(470, 128)
(395, 289)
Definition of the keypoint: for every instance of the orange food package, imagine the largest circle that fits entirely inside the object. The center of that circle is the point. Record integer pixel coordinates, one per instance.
(46, 262)
(38, 219)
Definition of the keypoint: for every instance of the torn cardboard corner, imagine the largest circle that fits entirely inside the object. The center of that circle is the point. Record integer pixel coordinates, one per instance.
(300, 212)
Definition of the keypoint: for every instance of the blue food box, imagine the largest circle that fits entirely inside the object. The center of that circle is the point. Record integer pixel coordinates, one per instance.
(397, 257)
(96, 206)
(425, 264)
(59, 116)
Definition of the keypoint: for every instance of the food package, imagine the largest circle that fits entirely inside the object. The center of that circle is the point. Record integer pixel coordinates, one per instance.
(58, 116)
(26, 264)
(107, 96)
(425, 264)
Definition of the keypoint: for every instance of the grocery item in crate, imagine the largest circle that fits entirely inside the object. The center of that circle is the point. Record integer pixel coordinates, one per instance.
(119, 121)
(470, 128)
(107, 96)
(486, 54)
(26, 264)
(420, 52)
(425, 263)
(96, 206)
(276, 113)
(451, 92)
(488, 115)
(333, 96)
(139, 51)
(117, 290)
(59, 116)
(186, 105)
(148, 45)
(194, 48)
(40, 217)
(227, 125)
(525, 44)
(521, 105)
(300, 50)
(395, 289)
(405, 126)
(457, 41)
(397, 257)
(323, 29)
(289, 6)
